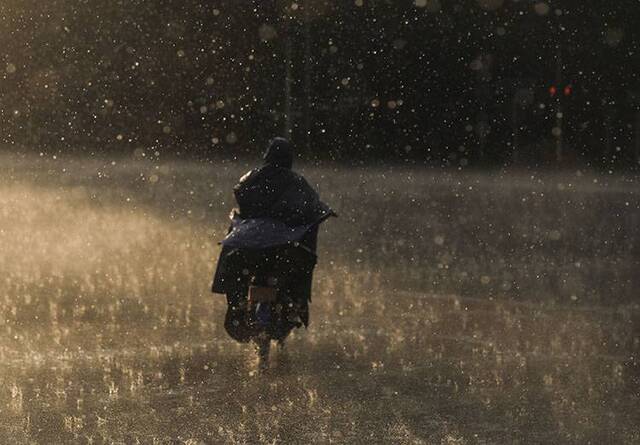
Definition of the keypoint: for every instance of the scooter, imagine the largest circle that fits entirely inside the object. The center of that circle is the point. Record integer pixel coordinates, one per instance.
(270, 294)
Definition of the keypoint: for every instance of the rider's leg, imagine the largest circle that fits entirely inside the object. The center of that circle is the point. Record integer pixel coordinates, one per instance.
(238, 322)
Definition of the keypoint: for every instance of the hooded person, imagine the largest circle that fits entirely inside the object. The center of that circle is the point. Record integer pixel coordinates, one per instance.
(278, 215)
(275, 204)
(275, 191)
(279, 154)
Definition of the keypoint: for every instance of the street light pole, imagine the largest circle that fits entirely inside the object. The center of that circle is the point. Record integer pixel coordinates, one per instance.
(637, 137)
(516, 129)
(288, 50)
(307, 76)
(558, 130)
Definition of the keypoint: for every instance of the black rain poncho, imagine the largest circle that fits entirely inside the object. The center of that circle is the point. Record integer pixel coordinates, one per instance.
(277, 209)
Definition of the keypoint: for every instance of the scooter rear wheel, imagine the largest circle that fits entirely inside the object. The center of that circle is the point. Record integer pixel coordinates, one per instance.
(264, 346)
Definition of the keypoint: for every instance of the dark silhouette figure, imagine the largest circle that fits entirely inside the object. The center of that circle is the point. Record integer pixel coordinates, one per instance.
(271, 244)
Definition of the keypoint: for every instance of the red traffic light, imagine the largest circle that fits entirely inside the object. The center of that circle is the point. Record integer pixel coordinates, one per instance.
(567, 90)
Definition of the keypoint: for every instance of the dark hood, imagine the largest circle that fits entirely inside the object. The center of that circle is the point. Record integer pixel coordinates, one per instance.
(279, 153)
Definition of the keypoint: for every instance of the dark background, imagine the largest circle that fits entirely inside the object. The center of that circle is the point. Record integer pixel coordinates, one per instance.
(465, 83)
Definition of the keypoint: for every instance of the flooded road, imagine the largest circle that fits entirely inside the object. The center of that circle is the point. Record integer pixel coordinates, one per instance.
(448, 308)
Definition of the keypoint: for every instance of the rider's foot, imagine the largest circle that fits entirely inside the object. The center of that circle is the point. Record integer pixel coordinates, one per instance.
(283, 360)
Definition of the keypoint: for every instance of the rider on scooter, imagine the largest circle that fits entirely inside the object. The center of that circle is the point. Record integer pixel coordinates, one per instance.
(271, 242)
